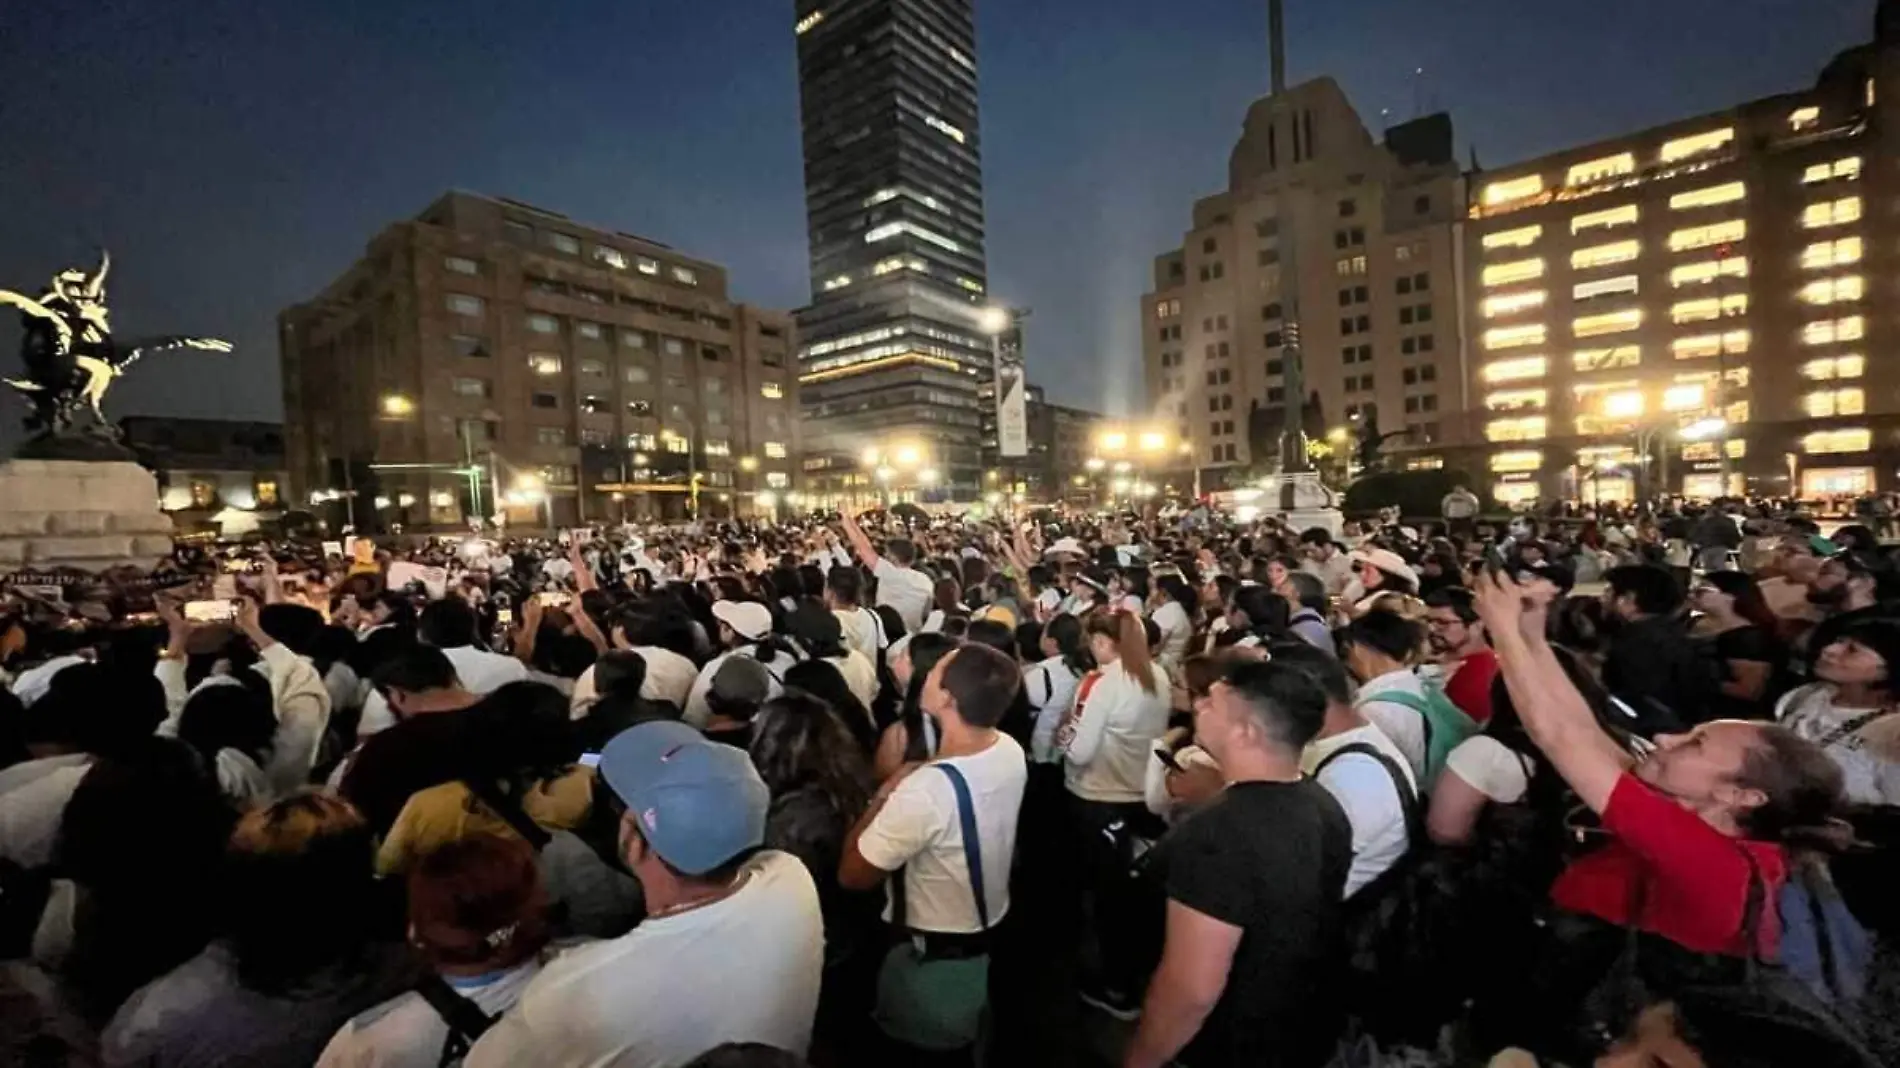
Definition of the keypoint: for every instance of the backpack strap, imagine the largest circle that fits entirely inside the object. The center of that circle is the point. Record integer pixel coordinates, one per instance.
(1417, 703)
(972, 840)
(467, 1022)
(1408, 797)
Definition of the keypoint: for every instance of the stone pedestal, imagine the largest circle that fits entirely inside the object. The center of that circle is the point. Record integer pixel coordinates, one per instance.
(1303, 500)
(85, 514)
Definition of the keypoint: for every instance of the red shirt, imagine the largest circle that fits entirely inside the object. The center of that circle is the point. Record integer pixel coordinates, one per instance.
(1469, 686)
(1698, 878)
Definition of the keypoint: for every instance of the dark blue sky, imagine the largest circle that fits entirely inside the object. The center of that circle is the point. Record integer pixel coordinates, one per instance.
(236, 155)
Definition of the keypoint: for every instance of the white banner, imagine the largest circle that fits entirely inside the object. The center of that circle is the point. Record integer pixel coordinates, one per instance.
(1012, 396)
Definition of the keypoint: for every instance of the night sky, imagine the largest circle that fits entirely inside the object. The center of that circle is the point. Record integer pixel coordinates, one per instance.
(237, 155)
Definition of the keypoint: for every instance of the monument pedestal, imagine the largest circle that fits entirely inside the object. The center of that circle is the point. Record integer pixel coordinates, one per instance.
(86, 514)
(1303, 500)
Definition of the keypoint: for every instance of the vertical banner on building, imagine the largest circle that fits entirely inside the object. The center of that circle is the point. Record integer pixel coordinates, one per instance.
(1012, 395)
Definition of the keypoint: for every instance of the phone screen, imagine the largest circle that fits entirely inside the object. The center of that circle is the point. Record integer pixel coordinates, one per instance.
(504, 615)
(553, 600)
(210, 611)
(590, 760)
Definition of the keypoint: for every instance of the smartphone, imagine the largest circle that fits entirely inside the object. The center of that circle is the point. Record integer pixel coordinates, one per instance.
(590, 760)
(1494, 559)
(1166, 756)
(210, 611)
(553, 599)
(505, 616)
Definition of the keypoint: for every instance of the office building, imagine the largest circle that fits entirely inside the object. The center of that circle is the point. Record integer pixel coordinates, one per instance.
(1055, 468)
(1652, 311)
(216, 476)
(1351, 241)
(489, 357)
(891, 351)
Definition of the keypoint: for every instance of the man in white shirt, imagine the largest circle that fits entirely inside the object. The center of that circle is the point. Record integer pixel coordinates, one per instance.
(1325, 560)
(732, 948)
(1380, 796)
(1379, 649)
(452, 626)
(863, 629)
(899, 585)
(914, 822)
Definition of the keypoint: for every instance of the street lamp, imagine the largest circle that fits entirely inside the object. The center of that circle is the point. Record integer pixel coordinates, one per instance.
(398, 405)
(928, 476)
(993, 320)
(1095, 463)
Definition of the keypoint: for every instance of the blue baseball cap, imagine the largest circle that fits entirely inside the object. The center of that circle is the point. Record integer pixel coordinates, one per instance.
(699, 803)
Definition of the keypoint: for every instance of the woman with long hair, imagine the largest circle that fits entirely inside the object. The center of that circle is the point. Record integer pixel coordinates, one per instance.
(823, 680)
(746, 628)
(1173, 606)
(946, 603)
(1107, 740)
(229, 722)
(913, 737)
(1736, 622)
(1050, 683)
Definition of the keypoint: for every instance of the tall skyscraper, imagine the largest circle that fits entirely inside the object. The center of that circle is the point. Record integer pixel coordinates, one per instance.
(892, 350)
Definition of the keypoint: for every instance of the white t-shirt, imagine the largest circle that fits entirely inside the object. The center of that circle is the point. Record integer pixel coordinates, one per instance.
(1366, 791)
(697, 712)
(860, 675)
(33, 797)
(404, 1032)
(743, 969)
(1810, 711)
(863, 631)
(905, 589)
(669, 675)
(1050, 687)
(1176, 629)
(480, 671)
(1491, 768)
(918, 830)
(1404, 726)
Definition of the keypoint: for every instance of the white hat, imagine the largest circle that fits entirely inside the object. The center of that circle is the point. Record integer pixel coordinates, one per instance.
(748, 619)
(1385, 560)
(1065, 545)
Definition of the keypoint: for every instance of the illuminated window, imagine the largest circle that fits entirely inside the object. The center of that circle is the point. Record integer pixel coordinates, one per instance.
(1690, 274)
(1528, 428)
(1604, 255)
(1607, 219)
(544, 363)
(1349, 266)
(461, 265)
(612, 257)
(778, 480)
(1605, 287)
(1608, 323)
(1624, 405)
(686, 276)
(1836, 367)
(1834, 290)
(890, 230)
(1831, 253)
(1597, 170)
(544, 324)
(1828, 331)
(1513, 370)
(804, 25)
(1517, 460)
(1852, 401)
(1847, 439)
(1727, 193)
(463, 304)
(645, 265)
(1704, 236)
(1684, 398)
(1841, 170)
(1696, 311)
(1697, 144)
(1516, 189)
(1503, 274)
(1511, 400)
(775, 450)
(1705, 450)
(1804, 118)
(1691, 348)
(1831, 213)
(1522, 237)
(1510, 337)
(1513, 493)
(1510, 303)
(1606, 359)
(675, 444)
(1592, 455)
(772, 391)
(944, 128)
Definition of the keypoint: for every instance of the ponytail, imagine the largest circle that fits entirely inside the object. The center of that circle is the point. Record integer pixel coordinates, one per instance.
(1132, 640)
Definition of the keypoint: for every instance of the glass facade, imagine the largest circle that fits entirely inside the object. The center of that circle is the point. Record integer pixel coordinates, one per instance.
(889, 347)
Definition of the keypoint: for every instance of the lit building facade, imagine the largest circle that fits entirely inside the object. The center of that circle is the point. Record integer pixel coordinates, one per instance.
(1357, 241)
(489, 357)
(892, 354)
(1700, 308)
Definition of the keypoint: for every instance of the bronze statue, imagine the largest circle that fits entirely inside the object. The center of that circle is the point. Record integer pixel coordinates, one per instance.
(71, 359)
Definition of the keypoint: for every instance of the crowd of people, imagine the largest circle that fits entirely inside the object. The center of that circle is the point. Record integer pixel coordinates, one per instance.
(1047, 789)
